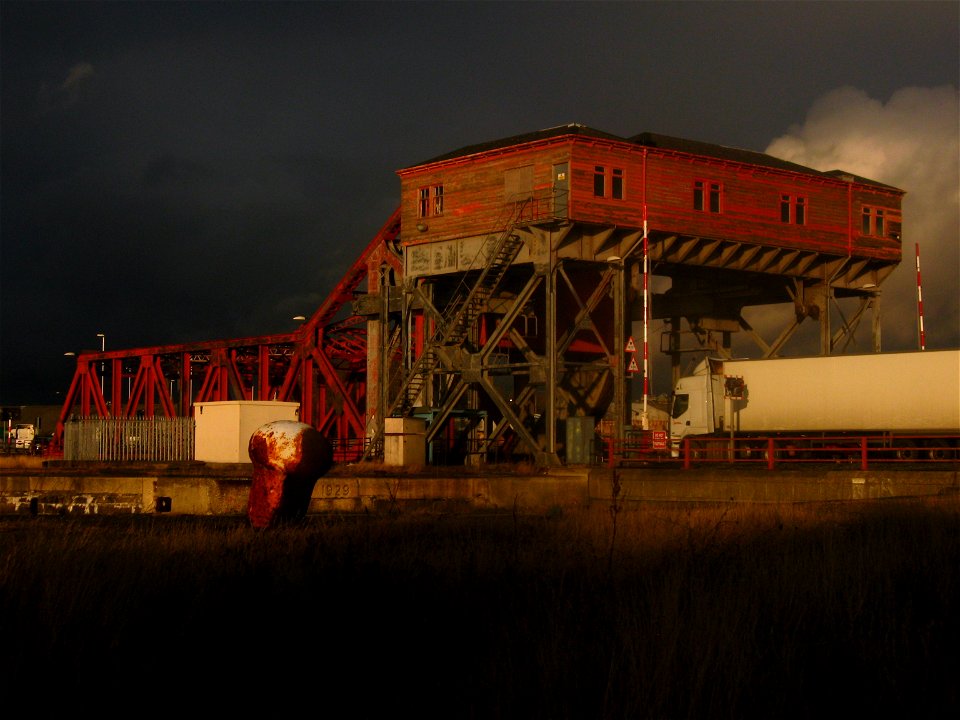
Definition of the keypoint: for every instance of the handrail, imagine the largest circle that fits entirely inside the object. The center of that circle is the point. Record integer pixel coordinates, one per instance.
(772, 452)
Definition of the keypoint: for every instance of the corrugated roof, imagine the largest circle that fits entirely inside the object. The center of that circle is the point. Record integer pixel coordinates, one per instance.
(652, 140)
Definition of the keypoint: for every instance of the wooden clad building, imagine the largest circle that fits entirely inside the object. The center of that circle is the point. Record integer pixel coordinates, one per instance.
(524, 260)
(677, 187)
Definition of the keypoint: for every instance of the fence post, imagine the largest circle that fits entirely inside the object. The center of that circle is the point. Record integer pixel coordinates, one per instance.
(863, 453)
(771, 454)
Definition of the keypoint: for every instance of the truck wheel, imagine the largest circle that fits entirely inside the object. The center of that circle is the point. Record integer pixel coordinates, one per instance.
(906, 451)
(940, 452)
(750, 451)
(791, 451)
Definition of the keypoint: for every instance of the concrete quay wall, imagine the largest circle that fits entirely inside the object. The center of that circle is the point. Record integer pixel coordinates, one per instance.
(212, 489)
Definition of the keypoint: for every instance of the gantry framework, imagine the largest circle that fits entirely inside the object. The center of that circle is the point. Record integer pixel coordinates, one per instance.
(441, 348)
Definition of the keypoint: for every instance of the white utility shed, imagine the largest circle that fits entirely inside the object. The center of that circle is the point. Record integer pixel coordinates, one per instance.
(224, 428)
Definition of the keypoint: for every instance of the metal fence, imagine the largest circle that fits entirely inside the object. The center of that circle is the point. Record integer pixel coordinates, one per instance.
(124, 439)
(929, 451)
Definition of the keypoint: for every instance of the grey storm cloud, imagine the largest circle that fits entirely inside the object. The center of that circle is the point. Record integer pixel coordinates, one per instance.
(77, 75)
(68, 92)
(911, 141)
(178, 172)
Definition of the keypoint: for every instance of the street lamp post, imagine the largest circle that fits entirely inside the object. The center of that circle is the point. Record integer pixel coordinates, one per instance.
(103, 348)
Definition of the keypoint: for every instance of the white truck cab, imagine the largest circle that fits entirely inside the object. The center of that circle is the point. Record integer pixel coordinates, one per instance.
(694, 410)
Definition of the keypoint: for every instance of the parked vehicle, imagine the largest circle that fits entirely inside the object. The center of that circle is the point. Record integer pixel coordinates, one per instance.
(41, 444)
(21, 437)
(906, 404)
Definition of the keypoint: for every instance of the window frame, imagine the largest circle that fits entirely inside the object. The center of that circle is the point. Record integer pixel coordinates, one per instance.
(423, 202)
(708, 196)
(793, 209)
(430, 201)
(873, 221)
(609, 182)
(599, 181)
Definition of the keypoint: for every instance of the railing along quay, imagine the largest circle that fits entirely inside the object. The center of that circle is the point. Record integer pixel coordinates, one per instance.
(863, 452)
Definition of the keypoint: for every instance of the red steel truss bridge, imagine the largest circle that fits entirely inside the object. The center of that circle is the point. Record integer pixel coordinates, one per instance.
(321, 365)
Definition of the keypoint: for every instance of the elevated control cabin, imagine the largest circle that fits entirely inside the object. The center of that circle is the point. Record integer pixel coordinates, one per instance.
(525, 261)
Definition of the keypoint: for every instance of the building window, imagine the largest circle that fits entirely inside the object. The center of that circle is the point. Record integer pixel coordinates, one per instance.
(617, 189)
(426, 208)
(793, 209)
(706, 196)
(600, 182)
(872, 221)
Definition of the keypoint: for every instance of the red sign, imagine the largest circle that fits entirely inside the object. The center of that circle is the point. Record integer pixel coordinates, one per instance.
(633, 367)
(659, 439)
(631, 346)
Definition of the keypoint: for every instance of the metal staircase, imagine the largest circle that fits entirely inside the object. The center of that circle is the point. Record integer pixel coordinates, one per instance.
(460, 314)
(468, 301)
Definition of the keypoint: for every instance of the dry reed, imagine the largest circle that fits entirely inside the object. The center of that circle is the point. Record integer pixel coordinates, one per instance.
(666, 611)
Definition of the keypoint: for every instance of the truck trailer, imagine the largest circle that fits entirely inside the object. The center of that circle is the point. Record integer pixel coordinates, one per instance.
(907, 404)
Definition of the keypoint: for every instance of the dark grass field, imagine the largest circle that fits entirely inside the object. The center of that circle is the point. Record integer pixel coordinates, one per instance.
(669, 611)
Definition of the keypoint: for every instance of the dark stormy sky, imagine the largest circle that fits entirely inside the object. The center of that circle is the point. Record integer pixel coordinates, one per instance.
(186, 171)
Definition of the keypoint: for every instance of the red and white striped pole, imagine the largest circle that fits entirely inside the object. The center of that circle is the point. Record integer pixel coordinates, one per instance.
(923, 339)
(646, 315)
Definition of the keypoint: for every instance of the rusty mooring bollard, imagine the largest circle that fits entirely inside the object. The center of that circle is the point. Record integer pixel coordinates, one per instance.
(288, 458)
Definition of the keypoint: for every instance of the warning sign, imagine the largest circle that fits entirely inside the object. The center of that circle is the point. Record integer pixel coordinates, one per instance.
(633, 367)
(734, 387)
(631, 345)
(659, 439)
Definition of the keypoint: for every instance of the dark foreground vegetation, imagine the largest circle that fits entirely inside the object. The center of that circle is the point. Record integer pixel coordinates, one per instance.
(803, 611)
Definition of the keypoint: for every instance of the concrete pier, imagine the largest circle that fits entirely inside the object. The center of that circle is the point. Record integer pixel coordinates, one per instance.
(223, 489)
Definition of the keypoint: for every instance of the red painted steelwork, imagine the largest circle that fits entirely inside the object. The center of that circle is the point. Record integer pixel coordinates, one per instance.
(322, 365)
